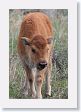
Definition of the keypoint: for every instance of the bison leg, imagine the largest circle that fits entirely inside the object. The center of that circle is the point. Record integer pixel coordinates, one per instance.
(32, 87)
(31, 79)
(25, 89)
(39, 81)
(48, 80)
(30, 82)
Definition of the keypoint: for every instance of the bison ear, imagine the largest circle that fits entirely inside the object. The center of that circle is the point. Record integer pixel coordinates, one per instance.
(49, 40)
(25, 40)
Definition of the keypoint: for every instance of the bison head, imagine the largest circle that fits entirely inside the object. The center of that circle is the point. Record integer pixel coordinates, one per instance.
(37, 50)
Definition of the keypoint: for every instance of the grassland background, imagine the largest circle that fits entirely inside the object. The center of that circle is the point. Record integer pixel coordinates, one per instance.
(59, 77)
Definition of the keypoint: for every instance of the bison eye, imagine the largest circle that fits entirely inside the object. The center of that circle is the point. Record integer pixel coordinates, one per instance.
(33, 50)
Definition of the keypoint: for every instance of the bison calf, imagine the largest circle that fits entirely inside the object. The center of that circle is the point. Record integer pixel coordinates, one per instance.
(35, 49)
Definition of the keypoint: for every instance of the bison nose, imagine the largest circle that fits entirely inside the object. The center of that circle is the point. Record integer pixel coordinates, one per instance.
(41, 65)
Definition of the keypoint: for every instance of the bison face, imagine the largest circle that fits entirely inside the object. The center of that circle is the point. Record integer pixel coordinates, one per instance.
(37, 51)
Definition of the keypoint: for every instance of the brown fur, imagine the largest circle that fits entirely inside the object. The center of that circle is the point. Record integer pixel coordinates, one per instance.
(39, 42)
(33, 24)
(37, 27)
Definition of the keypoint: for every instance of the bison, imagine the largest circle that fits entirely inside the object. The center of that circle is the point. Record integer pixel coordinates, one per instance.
(35, 51)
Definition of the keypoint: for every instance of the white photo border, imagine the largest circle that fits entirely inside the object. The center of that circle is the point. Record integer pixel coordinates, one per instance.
(71, 102)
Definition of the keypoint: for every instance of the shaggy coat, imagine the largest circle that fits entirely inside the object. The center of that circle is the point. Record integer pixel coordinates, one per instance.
(35, 49)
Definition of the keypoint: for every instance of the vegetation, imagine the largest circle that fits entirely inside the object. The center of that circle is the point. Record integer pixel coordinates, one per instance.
(60, 55)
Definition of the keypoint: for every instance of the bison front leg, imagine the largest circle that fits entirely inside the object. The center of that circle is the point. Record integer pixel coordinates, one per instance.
(39, 81)
(32, 87)
(30, 81)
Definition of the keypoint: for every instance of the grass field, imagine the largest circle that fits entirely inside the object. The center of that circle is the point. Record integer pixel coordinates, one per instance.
(60, 56)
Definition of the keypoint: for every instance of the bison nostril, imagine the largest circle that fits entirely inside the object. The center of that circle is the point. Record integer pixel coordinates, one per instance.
(41, 65)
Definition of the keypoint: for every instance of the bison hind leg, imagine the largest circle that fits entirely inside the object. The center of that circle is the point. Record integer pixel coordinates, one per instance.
(48, 79)
(48, 92)
(25, 88)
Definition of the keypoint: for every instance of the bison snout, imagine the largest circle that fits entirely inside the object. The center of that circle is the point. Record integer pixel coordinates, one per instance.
(41, 65)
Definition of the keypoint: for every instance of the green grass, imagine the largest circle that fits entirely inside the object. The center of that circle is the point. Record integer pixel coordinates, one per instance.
(60, 58)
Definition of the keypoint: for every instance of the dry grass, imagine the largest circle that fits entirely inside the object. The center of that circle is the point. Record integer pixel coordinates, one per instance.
(60, 56)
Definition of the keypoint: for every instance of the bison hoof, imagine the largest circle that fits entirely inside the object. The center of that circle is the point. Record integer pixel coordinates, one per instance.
(48, 93)
(39, 97)
(34, 95)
